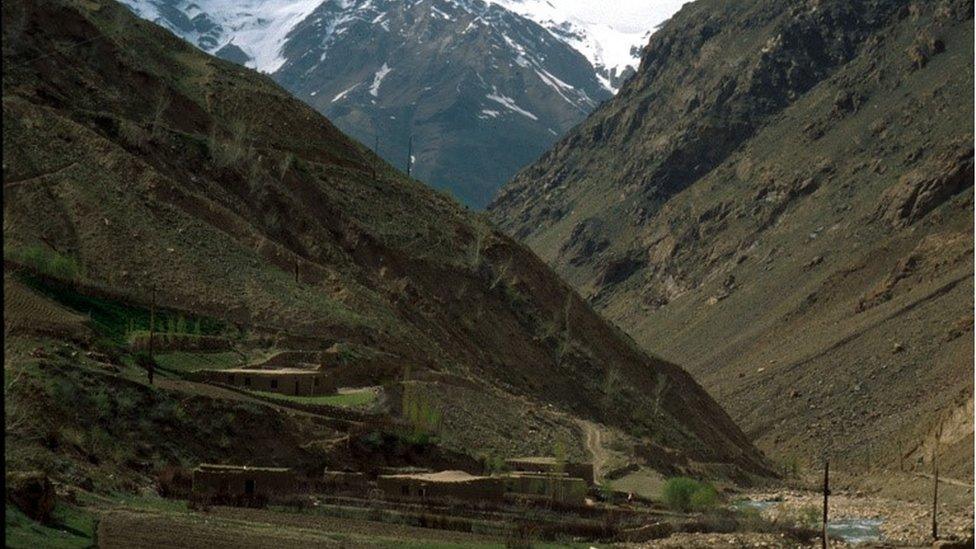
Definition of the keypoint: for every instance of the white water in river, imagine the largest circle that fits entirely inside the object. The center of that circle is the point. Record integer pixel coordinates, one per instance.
(851, 530)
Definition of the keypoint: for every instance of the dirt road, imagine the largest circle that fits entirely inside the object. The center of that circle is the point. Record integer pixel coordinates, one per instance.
(594, 443)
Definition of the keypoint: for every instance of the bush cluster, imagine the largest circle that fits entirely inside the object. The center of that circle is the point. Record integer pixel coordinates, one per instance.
(687, 494)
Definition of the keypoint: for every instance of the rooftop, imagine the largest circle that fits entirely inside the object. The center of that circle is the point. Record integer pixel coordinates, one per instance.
(536, 474)
(271, 371)
(545, 460)
(212, 467)
(442, 476)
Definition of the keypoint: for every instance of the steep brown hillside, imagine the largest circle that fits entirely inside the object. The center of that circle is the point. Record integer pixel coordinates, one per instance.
(781, 200)
(132, 160)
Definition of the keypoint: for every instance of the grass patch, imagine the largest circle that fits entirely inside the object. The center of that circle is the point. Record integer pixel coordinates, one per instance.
(115, 319)
(350, 400)
(183, 362)
(71, 528)
(150, 503)
(47, 261)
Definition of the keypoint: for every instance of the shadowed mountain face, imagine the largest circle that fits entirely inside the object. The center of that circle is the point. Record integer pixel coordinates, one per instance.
(781, 199)
(151, 164)
(482, 91)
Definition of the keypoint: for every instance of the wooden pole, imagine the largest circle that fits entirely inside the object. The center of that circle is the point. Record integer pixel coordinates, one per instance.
(826, 495)
(935, 484)
(296, 271)
(152, 334)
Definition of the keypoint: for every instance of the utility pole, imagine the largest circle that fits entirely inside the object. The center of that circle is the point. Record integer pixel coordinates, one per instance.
(826, 494)
(409, 155)
(152, 333)
(296, 271)
(935, 484)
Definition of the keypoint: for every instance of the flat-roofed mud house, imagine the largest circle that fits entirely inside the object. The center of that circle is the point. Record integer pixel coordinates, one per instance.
(545, 464)
(287, 381)
(344, 481)
(555, 487)
(547, 486)
(443, 485)
(232, 483)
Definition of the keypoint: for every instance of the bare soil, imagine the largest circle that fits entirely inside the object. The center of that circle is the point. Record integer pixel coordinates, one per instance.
(233, 528)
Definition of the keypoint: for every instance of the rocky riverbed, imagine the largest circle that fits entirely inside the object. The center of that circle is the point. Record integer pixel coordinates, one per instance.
(856, 520)
(901, 523)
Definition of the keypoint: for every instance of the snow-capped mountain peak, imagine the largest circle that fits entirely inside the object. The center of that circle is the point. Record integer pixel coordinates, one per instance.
(481, 88)
(253, 32)
(257, 29)
(609, 34)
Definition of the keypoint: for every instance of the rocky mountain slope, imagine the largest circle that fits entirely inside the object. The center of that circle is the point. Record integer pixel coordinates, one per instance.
(134, 161)
(782, 201)
(481, 90)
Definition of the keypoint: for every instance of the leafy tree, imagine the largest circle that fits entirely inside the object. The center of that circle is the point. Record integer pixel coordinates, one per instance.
(687, 494)
(420, 411)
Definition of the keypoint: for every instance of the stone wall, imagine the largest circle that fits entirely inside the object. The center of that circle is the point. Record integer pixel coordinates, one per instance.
(233, 481)
(549, 465)
(412, 488)
(286, 383)
(560, 489)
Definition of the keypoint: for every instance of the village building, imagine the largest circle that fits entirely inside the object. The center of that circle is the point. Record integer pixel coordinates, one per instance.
(546, 486)
(344, 481)
(546, 464)
(443, 485)
(233, 484)
(286, 381)
(554, 487)
(403, 470)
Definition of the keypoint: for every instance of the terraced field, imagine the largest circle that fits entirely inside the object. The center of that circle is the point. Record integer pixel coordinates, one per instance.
(28, 311)
(226, 527)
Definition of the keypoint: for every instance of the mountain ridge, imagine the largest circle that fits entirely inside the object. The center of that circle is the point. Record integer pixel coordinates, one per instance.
(779, 201)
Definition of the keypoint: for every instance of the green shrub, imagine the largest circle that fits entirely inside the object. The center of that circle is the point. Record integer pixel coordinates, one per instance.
(373, 440)
(494, 464)
(687, 494)
(706, 497)
(420, 411)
